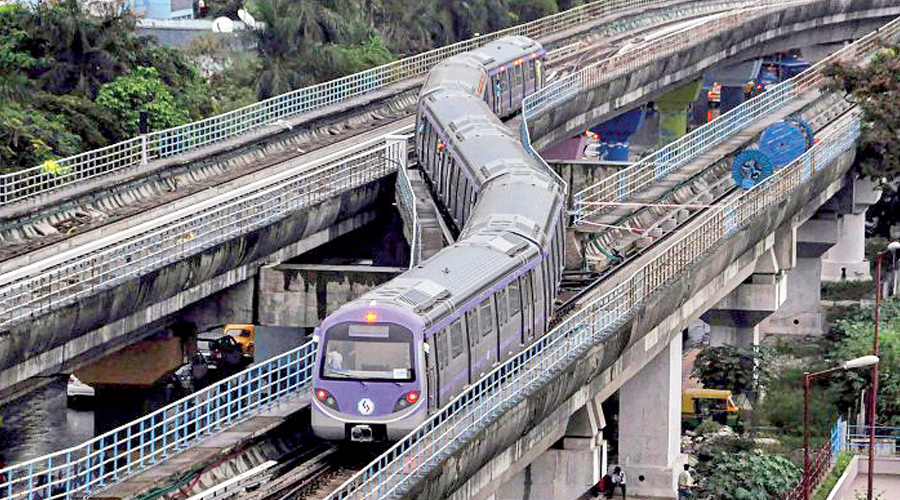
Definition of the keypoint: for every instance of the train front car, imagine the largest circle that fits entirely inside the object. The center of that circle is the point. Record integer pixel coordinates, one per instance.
(369, 382)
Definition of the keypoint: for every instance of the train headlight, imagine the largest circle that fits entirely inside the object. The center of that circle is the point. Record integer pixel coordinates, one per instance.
(326, 399)
(407, 400)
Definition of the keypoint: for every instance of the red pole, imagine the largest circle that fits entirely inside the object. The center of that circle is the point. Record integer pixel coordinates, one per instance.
(873, 396)
(805, 478)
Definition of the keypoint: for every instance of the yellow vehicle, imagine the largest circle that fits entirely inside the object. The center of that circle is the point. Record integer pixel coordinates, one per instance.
(698, 405)
(244, 335)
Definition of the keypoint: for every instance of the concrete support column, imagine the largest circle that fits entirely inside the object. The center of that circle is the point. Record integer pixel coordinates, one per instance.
(735, 319)
(801, 313)
(570, 467)
(614, 134)
(846, 260)
(650, 426)
(673, 111)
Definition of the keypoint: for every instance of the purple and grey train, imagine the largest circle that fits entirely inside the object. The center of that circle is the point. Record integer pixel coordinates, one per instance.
(403, 350)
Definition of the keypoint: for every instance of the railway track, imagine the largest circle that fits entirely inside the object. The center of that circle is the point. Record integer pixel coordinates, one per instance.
(30, 237)
(716, 188)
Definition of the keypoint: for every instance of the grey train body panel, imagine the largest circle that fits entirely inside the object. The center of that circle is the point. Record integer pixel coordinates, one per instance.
(482, 299)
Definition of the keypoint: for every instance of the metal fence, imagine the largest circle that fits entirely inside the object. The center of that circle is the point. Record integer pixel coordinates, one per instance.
(51, 283)
(625, 184)
(822, 462)
(407, 203)
(424, 448)
(93, 466)
(887, 441)
(54, 174)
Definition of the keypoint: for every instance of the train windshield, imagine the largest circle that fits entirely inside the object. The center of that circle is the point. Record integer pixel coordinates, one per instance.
(368, 352)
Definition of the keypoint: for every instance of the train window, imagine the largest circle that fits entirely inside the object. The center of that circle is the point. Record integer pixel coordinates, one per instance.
(444, 355)
(472, 324)
(526, 290)
(456, 339)
(514, 298)
(486, 317)
(502, 307)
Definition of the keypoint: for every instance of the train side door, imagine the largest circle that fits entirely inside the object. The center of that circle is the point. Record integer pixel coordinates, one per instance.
(431, 373)
(527, 309)
(456, 374)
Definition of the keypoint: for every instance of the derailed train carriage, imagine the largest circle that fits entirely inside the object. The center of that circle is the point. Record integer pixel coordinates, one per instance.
(388, 359)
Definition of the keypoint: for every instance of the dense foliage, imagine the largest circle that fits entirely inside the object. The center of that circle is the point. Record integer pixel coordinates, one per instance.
(875, 87)
(70, 81)
(854, 338)
(55, 59)
(745, 475)
(740, 370)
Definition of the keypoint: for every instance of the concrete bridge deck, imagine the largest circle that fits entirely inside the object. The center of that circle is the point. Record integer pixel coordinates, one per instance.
(826, 188)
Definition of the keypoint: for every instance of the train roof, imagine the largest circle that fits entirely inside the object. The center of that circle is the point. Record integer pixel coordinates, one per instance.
(460, 72)
(524, 202)
(456, 274)
(505, 51)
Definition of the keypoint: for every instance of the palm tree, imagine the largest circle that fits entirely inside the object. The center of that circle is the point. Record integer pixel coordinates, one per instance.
(79, 49)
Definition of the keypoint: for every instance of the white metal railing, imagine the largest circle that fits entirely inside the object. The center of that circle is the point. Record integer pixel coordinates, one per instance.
(54, 174)
(51, 283)
(407, 199)
(626, 183)
(93, 466)
(424, 448)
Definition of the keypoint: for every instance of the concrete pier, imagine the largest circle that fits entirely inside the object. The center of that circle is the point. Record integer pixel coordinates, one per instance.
(650, 426)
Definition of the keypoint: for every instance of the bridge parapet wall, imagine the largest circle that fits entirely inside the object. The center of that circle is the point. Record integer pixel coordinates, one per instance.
(489, 458)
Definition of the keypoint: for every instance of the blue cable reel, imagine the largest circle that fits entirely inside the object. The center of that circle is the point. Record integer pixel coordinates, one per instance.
(750, 167)
(807, 130)
(783, 142)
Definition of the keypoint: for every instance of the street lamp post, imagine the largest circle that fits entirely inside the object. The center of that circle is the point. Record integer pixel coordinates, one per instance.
(807, 382)
(873, 394)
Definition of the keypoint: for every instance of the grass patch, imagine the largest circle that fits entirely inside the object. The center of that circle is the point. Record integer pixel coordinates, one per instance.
(840, 466)
(848, 290)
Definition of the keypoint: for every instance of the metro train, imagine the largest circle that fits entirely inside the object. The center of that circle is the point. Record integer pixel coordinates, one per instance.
(388, 359)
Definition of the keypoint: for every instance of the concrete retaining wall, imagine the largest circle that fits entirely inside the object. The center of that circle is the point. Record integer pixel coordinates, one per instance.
(303, 294)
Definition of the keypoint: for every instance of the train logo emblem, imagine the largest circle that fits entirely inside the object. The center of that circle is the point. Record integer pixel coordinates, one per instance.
(365, 406)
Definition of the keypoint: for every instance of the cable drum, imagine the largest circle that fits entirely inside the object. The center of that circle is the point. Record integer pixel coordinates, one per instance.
(750, 167)
(806, 128)
(783, 142)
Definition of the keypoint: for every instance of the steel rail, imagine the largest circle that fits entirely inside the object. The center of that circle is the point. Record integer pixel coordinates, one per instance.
(629, 181)
(51, 283)
(54, 174)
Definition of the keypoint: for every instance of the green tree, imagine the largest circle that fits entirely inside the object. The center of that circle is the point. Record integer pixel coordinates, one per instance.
(737, 369)
(855, 334)
(141, 90)
(875, 87)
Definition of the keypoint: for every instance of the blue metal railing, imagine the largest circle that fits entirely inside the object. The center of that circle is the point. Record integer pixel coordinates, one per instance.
(93, 466)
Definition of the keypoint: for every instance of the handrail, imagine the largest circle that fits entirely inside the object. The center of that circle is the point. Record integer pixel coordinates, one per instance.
(597, 198)
(407, 203)
(98, 463)
(54, 282)
(425, 447)
(54, 174)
